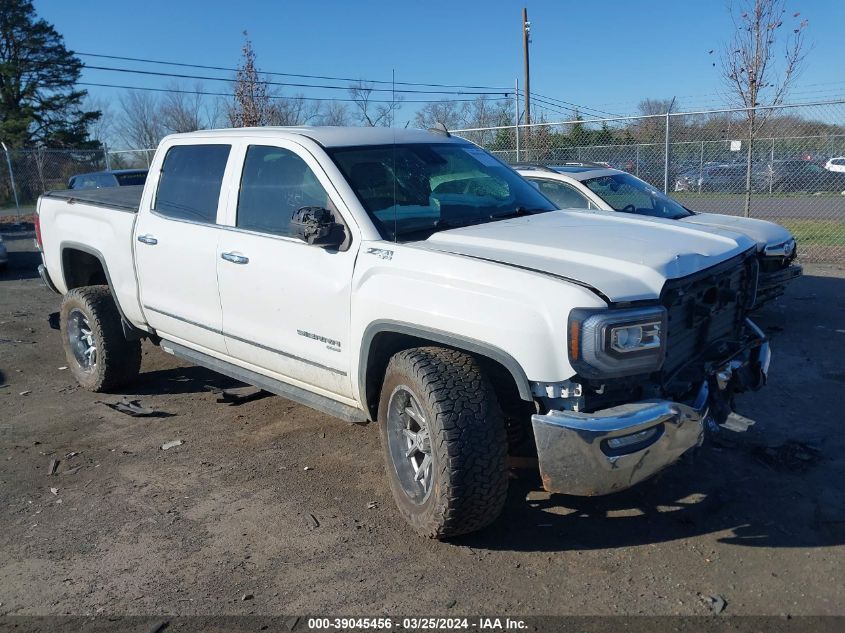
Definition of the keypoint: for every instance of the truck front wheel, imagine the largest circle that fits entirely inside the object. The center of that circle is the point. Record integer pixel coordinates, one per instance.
(444, 441)
(97, 352)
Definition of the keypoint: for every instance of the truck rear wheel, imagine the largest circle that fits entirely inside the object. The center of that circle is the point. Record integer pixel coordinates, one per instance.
(444, 441)
(97, 352)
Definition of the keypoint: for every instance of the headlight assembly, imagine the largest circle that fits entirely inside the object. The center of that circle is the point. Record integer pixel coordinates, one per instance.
(611, 343)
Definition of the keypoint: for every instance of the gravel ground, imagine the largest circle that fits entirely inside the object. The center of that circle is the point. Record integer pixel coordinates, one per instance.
(288, 508)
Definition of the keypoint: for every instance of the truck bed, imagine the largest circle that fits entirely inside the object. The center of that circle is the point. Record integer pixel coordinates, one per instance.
(121, 198)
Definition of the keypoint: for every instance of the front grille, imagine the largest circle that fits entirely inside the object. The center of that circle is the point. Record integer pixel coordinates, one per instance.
(706, 311)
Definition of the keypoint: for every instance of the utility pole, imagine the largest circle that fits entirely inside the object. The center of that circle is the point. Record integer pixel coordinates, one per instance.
(526, 39)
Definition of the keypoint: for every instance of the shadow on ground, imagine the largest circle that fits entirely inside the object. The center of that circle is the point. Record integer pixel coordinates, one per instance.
(779, 485)
(22, 264)
(180, 380)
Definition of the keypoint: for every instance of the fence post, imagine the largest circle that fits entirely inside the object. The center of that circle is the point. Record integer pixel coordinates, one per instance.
(516, 117)
(666, 157)
(12, 180)
(106, 158)
(701, 167)
(637, 163)
(772, 166)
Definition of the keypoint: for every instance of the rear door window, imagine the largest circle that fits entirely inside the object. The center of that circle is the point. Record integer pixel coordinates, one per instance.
(190, 181)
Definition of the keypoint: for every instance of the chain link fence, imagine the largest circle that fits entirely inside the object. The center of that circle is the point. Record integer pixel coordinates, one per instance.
(26, 173)
(784, 164)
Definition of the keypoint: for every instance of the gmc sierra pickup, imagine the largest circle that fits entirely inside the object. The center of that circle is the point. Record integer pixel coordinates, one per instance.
(411, 278)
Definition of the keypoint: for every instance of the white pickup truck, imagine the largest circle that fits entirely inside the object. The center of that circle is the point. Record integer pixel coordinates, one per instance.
(411, 278)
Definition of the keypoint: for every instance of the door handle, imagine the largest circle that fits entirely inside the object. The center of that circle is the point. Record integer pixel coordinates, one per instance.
(147, 239)
(235, 258)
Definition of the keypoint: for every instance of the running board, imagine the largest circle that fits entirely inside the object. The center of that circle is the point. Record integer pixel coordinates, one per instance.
(297, 394)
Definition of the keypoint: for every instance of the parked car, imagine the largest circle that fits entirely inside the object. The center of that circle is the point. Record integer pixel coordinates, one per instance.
(614, 190)
(836, 164)
(411, 278)
(113, 178)
(4, 255)
(794, 175)
(726, 178)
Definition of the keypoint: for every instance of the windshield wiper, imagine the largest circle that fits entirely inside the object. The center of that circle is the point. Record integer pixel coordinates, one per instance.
(517, 213)
(443, 225)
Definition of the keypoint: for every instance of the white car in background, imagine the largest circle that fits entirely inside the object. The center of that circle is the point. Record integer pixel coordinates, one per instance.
(591, 186)
(836, 164)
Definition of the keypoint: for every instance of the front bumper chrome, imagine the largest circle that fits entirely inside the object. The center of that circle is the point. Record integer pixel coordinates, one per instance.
(577, 455)
(610, 450)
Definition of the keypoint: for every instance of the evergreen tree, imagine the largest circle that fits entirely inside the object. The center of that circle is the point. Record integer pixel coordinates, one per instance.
(39, 105)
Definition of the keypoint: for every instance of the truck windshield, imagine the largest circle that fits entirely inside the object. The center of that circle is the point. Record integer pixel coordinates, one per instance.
(411, 190)
(624, 192)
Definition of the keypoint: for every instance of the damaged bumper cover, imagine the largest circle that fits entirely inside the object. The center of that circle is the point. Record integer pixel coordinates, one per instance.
(773, 284)
(613, 449)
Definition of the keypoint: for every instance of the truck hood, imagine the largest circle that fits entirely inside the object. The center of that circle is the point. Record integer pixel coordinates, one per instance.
(762, 232)
(623, 257)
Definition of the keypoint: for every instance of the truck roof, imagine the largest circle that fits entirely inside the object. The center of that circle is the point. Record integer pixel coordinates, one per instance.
(331, 136)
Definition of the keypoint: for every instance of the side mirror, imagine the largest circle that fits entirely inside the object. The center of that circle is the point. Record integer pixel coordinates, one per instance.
(316, 226)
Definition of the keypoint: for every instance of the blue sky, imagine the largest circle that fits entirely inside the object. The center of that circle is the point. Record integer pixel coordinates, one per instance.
(605, 55)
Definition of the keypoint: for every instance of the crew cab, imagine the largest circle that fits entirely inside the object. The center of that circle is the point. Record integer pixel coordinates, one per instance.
(593, 186)
(412, 279)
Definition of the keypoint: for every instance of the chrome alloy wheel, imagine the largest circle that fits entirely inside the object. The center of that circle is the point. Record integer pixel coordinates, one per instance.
(410, 444)
(82, 341)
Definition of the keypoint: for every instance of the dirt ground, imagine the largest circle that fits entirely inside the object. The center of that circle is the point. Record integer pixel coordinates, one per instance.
(273, 502)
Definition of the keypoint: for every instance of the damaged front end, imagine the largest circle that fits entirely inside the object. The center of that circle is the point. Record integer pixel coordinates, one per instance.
(604, 431)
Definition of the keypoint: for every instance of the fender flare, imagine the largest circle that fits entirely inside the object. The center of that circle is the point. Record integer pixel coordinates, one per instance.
(464, 343)
(129, 330)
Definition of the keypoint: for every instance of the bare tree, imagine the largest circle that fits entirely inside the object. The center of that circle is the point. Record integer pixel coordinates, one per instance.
(101, 130)
(749, 63)
(334, 113)
(252, 103)
(139, 124)
(444, 112)
(295, 110)
(370, 112)
(654, 127)
(484, 112)
(183, 109)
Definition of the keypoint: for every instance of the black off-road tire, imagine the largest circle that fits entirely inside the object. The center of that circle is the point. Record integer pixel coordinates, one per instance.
(468, 441)
(118, 361)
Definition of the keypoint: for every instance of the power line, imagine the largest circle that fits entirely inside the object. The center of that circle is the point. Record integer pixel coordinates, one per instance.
(565, 109)
(544, 105)
(279, 74)
(280, 83)
(283, 97)
(580, 108)
(558, 109)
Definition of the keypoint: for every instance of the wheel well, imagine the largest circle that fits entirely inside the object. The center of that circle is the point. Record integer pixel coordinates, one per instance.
(82, 269)
(385, 344)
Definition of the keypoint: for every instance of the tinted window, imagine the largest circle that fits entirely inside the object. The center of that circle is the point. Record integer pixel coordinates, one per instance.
(128, 180)
(85, 181)
(106, 180)
(189, 187)
(563, 195)
(275, 183)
